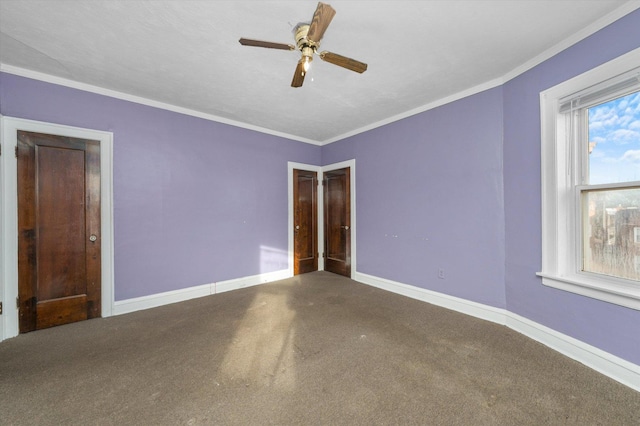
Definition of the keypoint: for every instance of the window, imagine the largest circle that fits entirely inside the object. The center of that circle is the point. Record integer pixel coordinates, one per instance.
(610, 190)
(591, 183)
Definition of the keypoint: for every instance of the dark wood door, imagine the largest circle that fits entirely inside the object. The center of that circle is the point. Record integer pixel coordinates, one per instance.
(58, 230)
(305, 235)
(337, 222)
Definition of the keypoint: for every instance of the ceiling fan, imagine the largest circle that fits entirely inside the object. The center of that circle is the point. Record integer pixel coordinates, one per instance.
(308, 38)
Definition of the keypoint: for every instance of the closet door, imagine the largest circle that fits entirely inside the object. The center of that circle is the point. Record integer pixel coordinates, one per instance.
(337, 222)
(305, 219)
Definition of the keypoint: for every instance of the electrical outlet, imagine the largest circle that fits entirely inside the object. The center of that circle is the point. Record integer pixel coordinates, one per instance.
(441, 273)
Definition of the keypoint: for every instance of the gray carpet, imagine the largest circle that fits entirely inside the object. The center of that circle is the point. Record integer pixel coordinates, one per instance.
(314, 349)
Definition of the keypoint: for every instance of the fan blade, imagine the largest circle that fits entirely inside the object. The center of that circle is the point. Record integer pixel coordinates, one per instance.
(269, 44)
(343, 61)
(321, 20)
(298, 76)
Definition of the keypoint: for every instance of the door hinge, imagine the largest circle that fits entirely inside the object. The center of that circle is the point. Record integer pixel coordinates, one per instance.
(17, 303)
(16, 151)
(0, 308)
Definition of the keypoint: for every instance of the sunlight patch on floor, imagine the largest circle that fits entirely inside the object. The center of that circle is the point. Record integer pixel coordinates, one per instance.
(262, 350)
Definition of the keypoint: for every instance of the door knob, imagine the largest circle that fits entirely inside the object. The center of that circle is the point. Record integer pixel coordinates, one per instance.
(346, 228)
(93, 237)
(297, 227)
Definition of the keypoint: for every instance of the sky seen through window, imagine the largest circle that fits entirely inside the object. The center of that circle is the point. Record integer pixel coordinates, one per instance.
(614, 127)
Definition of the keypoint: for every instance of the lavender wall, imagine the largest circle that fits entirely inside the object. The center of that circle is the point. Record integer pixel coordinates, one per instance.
(604, 325)
(429, 196)
(440, 175)
(195, 201)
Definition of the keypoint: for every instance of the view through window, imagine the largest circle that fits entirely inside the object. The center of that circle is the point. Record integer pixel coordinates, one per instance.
(611, 194)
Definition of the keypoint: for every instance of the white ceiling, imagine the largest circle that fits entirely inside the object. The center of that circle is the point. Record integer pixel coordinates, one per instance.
(185, 53)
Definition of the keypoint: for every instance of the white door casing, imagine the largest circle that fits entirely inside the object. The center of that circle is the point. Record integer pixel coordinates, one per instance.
(9, 213)
(351, 164)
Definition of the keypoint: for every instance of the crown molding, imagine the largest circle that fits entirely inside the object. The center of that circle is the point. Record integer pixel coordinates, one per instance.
(601, 23)
(596, 26)
(48, 78)
(575, 38)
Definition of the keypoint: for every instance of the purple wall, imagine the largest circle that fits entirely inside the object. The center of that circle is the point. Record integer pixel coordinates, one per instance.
(440, 175)
(610, 327)
(195, 201)
(429, 196)
(456, 187)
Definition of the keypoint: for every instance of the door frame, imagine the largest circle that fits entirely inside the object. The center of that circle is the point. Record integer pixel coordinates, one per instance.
(351, 164)
(9, 214)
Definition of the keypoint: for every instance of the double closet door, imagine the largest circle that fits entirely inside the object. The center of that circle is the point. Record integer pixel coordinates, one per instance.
(337, 221)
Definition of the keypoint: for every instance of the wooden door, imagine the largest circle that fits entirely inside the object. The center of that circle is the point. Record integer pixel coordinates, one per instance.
(305, 235)
(58, 230)
(337, 222)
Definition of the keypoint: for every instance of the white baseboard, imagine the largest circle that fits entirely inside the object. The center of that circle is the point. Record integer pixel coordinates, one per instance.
(154, 300)
(237, 283)
(610, 365)
(468, 307)
(605, 363)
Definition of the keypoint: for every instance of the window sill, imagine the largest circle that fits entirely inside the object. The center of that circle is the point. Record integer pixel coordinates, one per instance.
(603, 288)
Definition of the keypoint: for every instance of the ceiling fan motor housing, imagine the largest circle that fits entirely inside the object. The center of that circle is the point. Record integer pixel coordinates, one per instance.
(306, 46)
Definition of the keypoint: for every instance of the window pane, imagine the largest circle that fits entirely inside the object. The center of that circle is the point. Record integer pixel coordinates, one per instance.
(614, 141)
(610, 232)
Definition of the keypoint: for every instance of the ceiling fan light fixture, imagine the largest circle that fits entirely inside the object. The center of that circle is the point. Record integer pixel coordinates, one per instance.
(308, 36)
(307, 56)
(307, 63)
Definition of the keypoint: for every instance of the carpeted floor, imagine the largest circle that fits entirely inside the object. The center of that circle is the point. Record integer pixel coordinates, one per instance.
(313, 349)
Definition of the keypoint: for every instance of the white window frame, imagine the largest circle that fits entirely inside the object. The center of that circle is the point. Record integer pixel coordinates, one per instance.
(562, 161)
